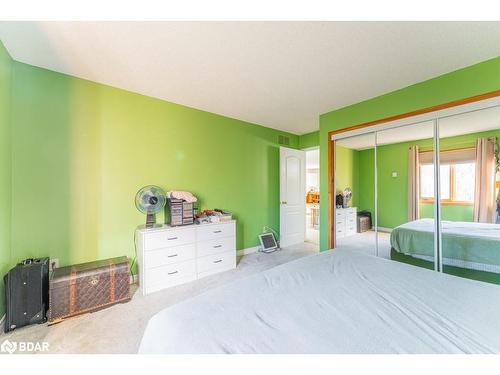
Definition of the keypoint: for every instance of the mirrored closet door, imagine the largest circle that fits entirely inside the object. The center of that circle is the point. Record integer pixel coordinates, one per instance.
(468, 154)
(405, 194)
(425, 191)
(354, 211)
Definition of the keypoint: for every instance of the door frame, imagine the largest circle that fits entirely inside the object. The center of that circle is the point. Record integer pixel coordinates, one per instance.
(360, 127)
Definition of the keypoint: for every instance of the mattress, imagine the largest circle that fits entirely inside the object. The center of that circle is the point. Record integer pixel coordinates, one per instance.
(339, 301)
(467, 245)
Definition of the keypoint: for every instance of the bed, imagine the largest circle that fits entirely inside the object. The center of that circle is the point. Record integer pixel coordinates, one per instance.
(469, 249)
(339, 301)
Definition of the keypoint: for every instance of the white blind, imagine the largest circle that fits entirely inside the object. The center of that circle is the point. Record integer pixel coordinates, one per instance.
(464, 155)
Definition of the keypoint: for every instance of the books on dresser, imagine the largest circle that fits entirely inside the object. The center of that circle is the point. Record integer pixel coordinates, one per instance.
(169, 256)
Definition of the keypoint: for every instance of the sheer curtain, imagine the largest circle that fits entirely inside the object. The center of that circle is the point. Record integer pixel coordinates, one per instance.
(484, 195)
(413, 183)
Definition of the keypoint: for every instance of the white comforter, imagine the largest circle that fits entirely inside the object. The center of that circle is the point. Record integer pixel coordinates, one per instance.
(335, 302)
(461, 228)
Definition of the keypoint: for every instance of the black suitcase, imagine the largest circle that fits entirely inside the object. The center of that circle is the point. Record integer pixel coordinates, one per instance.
(27, 293)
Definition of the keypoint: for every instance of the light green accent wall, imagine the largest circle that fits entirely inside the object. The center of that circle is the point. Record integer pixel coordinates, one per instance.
(473, 80)
(347, 172)
(309, 140)
(366, 173)
(5, 169)
(82, 150)
(449, 212)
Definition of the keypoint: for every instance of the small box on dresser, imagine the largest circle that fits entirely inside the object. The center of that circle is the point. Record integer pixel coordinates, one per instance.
(169, 256)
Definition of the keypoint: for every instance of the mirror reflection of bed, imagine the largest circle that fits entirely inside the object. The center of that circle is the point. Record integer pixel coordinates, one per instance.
(406, 199)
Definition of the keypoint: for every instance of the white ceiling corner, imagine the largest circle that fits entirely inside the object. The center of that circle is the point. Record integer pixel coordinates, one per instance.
(278, 74)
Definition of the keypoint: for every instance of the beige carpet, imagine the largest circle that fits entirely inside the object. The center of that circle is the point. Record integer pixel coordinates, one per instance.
(119, 329)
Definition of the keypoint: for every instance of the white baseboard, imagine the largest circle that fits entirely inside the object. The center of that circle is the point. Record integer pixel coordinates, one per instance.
(247, 251)
(383, 229)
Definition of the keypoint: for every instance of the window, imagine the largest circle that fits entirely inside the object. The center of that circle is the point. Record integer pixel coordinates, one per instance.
(457, 182)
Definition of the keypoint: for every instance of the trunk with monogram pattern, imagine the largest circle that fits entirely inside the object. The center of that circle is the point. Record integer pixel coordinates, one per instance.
(88, 287)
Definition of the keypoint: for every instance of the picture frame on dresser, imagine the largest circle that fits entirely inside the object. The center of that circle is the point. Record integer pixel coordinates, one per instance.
(169, 256)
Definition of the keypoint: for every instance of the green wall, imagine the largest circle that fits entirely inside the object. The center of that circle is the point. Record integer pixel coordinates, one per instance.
(347, 172)
(463, 83)
(449, 212)
(5, 169)
(366, 181)
(82, 150)
(309, 140)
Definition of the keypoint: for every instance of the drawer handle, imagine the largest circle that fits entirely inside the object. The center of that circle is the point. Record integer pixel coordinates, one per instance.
(173, 273)
(171, 238)
(218, 261)
(217, 231)
(171, 256)
(217, 246)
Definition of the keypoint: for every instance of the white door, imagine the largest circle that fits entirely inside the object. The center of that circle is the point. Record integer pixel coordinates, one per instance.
(292, 196)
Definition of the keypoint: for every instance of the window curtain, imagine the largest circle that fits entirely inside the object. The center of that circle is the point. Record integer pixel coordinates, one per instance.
(413, 183)
(484, 195)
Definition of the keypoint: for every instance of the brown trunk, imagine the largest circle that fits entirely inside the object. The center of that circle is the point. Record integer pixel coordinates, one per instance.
(88, 287)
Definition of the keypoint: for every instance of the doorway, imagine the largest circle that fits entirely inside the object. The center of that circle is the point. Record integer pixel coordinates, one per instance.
(312, 196)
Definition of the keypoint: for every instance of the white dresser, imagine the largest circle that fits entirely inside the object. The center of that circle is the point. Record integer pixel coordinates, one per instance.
(346, 223)
(169, 256)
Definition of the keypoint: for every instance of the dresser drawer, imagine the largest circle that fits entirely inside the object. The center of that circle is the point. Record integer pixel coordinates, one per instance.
(212, 232)
(169, 275)
(340, 214)
(216, 263)
(168, 238)
(162, 257)
(219, 245)
(340, 231)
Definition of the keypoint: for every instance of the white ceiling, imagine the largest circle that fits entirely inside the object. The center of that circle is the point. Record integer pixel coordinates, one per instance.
(472, 122)
(278, 74)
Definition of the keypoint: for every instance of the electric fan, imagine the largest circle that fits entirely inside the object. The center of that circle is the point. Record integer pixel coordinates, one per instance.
(150, 200)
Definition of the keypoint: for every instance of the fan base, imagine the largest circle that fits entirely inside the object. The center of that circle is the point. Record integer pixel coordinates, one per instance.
(150, 220)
